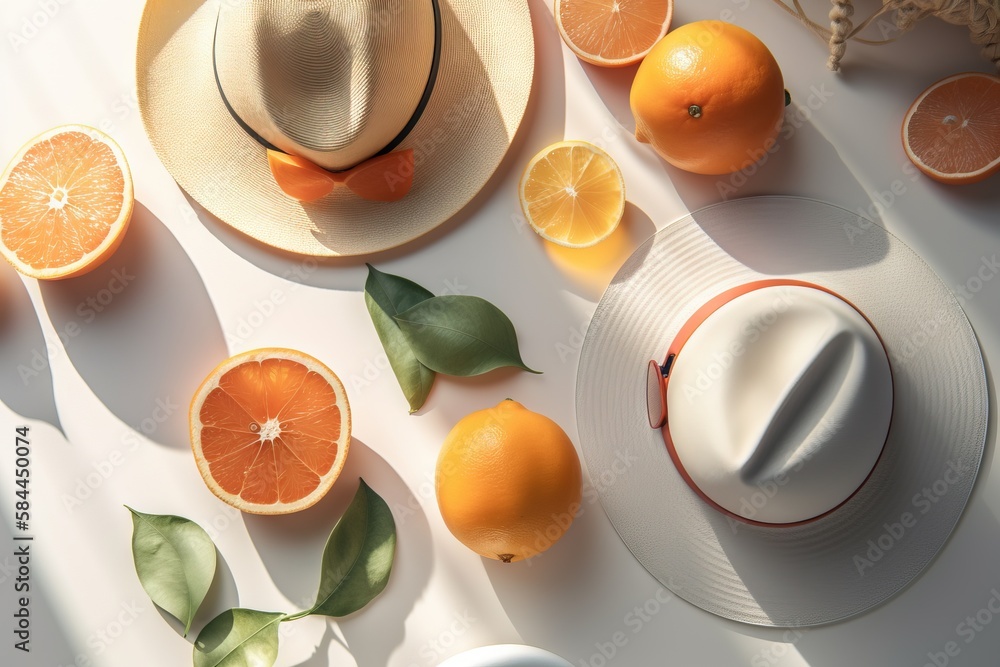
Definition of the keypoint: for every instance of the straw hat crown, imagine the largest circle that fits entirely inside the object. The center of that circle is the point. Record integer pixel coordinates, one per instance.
(334, 81)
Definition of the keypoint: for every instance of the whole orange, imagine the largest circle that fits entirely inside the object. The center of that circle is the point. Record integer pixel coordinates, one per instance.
(508, 482)
(709, 98)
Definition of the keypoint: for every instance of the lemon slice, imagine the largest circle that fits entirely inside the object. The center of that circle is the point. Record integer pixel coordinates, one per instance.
(573, 194)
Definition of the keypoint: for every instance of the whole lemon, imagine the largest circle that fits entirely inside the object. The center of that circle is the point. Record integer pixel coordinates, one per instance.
(709, 98)
(508, 482)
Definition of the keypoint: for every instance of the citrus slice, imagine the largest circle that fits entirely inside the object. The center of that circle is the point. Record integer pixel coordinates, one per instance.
(573, 194)
(270, 430)
(952, 130)
(612, 33)
(65, 202)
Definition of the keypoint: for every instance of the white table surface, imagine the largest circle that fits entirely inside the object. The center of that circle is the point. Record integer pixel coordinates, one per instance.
(197, 292)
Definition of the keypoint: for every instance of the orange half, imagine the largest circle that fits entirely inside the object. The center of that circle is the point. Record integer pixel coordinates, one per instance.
(65, 202)
(612, 33)
(270, 430)
(952, 131)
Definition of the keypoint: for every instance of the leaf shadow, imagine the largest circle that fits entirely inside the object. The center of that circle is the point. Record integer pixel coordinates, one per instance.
(321, 654)
(222, 596)
(226, 621)
(26, 385)
(291, 549)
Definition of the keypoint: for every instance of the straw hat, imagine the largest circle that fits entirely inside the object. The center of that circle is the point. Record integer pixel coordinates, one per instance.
(818, 406)
(222, 81)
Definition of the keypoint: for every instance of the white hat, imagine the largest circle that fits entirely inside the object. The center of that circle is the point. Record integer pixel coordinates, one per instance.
(774, 382)
(222, 82)
(819, 407)
(505, 655)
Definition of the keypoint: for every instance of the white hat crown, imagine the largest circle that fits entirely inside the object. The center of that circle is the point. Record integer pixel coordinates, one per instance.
(778, 404)
(333, 81)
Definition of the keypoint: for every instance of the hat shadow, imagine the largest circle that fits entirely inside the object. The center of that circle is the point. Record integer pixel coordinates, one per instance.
(291, 548)
(141, 330)
(802, 163)
(807, 245)
(957, 581)
(26, 385)
(957, 584)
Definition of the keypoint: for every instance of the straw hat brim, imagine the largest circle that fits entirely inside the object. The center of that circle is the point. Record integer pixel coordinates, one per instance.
(478, 100)
(881, 539)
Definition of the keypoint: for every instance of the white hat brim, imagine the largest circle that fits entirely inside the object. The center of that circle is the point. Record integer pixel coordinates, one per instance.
(478, 100)
(883, 537)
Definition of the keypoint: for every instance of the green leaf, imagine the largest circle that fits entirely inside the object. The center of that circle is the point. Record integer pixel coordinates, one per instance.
(239, 638)
(394, 294)
(461, 335)
(413, 377)
(358, 556)
(175, 561)
(386, 296)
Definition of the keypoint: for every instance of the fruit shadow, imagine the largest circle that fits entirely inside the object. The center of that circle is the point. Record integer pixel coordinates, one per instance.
(543, 123)
(978, 203)
(802, 156)
(613, 85)
(141, 330)
(802, 162)
(588, 271)
(25, 369)
(592, 573)
(291, 548)
(792, 235)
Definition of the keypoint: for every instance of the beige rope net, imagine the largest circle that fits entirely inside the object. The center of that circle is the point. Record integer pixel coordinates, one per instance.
(981, 16)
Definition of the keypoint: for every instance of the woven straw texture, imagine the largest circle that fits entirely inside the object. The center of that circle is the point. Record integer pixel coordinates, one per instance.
(487, 63)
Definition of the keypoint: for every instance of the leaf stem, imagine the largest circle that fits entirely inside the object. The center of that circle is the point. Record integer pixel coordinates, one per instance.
(295, 617)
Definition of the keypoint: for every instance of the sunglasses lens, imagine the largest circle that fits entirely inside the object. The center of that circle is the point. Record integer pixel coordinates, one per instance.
(656, 399)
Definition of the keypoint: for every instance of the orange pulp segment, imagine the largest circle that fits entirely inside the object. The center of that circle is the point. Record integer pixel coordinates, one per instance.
(573, 194)
(612, 33)
(952, 130)
(65, 203)
(270, 430)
